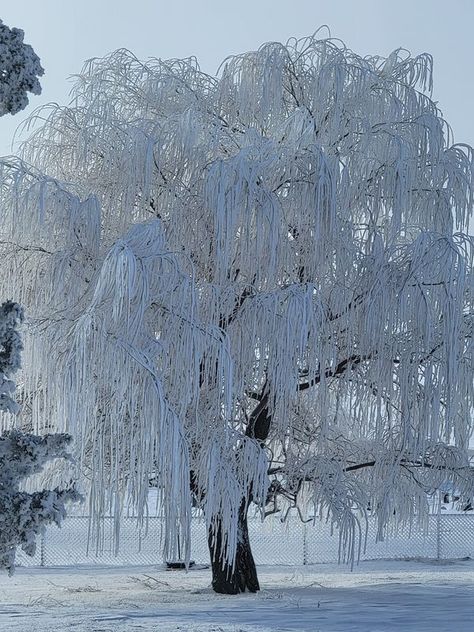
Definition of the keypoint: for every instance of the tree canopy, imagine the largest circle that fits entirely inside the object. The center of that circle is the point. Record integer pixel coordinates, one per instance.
(252, 286)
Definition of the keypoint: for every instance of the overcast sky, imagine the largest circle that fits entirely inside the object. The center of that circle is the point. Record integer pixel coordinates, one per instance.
(65, 33)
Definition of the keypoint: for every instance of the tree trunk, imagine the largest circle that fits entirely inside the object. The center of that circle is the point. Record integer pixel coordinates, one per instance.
(242, 576)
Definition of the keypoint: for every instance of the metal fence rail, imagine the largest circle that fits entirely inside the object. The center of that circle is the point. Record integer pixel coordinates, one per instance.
(274, 543)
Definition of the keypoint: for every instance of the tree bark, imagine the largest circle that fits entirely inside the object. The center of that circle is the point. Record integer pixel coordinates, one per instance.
(242, 577)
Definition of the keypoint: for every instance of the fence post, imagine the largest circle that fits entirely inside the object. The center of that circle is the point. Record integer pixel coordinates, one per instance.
(43, 548)
(305, 544)
(438, 529)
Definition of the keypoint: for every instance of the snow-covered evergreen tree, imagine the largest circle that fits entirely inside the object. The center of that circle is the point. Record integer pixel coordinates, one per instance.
(19, 70)
(11, 315)
(23, 515)
(254, 288)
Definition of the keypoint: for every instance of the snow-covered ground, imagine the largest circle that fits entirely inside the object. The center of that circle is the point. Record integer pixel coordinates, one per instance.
(381, 595)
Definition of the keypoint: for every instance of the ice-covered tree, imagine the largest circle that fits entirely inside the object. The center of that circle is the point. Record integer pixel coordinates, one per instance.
(23, 515)
(20, 68)
(255, 289)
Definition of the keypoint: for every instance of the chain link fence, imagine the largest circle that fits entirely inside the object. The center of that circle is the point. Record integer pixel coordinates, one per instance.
(274, 543)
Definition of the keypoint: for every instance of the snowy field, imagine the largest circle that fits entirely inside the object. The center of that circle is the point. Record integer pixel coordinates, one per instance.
(380, 595)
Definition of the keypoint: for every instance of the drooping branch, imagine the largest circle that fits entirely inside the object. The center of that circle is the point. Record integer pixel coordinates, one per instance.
(340, 368)
(226, 319)
(260, 419)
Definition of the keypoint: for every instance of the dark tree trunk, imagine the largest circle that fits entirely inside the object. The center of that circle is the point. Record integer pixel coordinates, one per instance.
(243, 576)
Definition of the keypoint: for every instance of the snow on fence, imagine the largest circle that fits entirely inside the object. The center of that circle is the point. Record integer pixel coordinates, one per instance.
(274, 543)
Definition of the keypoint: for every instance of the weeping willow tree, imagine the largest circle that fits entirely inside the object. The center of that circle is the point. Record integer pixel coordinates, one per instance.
(255, 289)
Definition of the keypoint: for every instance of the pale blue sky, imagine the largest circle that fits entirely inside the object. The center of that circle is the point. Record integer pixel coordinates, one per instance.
(64, 33)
